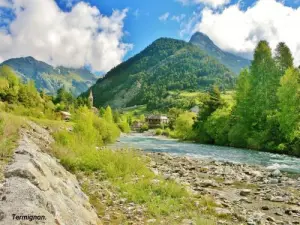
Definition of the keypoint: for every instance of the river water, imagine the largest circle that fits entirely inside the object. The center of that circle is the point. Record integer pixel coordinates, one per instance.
(235, 155)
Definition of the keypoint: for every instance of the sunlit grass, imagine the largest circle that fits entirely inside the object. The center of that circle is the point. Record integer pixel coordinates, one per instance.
(9, 134)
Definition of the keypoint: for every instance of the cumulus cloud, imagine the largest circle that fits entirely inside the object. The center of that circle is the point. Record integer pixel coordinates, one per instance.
(82, 36)
(164, 16)
(239, 31)
(211, 3)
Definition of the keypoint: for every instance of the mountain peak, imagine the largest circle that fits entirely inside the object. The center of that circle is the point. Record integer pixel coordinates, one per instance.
(233, 62)
(201, 38)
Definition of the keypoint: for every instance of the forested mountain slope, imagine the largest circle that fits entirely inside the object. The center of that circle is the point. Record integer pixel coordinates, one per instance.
(165, 65)
(49, 78)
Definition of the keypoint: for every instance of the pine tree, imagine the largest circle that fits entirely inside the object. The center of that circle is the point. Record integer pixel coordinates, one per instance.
(283, 57)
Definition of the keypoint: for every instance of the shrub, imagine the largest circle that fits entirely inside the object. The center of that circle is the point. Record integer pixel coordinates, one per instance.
(158, 131)
(145, 127)
(124, 127)
(167, 132)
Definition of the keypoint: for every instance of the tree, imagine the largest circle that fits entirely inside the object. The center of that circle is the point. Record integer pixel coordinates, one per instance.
(184, 126)
(289, 104)
(108, 116)
(240, 116)
(283, 57)
(64, 98)
(210, 104)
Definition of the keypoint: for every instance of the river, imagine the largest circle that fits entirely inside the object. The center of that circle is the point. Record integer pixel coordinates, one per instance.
(235, 155)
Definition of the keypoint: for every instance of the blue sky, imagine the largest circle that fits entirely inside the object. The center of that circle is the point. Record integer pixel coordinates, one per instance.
(101, 34)
(142, 24)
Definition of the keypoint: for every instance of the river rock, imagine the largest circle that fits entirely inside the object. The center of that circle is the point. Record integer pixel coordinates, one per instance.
(245, 192)
(223, 212)
(208, 183)
(277, 199)
(276, 173)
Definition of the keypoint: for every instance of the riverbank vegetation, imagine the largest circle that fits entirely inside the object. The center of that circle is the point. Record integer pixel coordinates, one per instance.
(81, 148)
(262, 112)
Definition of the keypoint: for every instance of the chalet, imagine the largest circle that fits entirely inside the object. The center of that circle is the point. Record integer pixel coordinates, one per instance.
(65, 115)
(157, 120)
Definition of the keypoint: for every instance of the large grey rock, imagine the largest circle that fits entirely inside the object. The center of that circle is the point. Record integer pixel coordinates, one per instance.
(37, 185)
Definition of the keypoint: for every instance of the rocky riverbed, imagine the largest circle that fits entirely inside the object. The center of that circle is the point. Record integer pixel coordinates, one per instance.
(250, 195)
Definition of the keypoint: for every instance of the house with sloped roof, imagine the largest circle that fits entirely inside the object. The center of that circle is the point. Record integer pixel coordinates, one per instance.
(157, 120)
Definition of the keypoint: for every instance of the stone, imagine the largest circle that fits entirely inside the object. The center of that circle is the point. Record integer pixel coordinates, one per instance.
(36, 182)
(270, 219)
(223, 212)
(151, 221)
(245, 192)
(277, 199)
(208, 183)
(273, 181)
(187, 222)
(276, 173)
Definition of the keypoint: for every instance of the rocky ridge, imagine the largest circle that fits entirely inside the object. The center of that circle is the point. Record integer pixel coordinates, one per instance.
(36, 185)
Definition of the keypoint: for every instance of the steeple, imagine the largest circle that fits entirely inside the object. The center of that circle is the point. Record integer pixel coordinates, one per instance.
(91, 98)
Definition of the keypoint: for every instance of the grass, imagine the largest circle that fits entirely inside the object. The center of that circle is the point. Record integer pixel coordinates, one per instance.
(128, 173)
(9, 134)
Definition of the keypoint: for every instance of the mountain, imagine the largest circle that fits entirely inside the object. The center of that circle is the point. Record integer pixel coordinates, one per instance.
(166, 65)
(233, 62)
(49, 78)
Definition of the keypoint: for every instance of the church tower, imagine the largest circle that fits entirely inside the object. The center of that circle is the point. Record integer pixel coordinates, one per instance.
(91, 98)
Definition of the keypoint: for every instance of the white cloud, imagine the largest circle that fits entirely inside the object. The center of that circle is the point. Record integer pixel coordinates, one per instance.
(178, 18)
(4, 3)
(239, 31)
(211, 3)
(164, 16)
(80, 37)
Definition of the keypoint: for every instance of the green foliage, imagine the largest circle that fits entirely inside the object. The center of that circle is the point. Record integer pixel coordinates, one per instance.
(283, 57)
(108, 116)
(218, 125)
(211, 102)
(184, 126)
(167, 132)
(265, 114)
(125, 169)
(289, 104)
(166, 65)
(124, 127)
(64, 99)
(145, 127)
(158, 131)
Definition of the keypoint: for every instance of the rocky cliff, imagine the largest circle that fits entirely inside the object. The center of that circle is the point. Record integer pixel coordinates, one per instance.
(38, 190)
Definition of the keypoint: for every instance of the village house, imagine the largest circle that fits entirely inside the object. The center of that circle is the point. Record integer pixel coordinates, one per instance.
(157, 120)
(65, 115)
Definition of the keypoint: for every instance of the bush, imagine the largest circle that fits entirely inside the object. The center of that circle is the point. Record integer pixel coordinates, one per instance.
(124, 127)
(145, 127)
(158, 131)
(167, 132)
